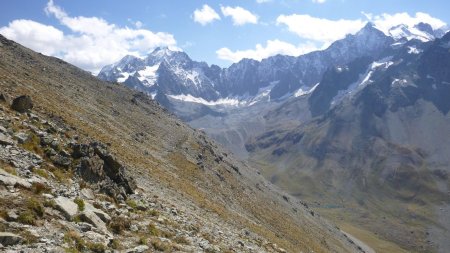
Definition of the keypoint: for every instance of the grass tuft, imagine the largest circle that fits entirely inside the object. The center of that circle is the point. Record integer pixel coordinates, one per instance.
(80, 204)
(119, 224)
(162, 246)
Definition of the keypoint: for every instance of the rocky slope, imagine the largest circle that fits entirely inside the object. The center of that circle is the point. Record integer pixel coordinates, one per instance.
(95, 166)
(377, 149)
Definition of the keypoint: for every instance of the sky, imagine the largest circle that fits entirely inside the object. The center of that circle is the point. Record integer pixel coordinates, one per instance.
(91, 34)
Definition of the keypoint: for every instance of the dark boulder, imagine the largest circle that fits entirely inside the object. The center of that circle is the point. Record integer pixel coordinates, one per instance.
(91, 169)
(82, 150)
(22, 104)
(114, 169)
(62, 161)
(99, 166)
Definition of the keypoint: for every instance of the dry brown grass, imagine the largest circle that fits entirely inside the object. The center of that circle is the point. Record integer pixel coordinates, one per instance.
(90, 102)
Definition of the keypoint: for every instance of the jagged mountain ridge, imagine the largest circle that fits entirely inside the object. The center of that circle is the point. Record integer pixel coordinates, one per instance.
(174, 73)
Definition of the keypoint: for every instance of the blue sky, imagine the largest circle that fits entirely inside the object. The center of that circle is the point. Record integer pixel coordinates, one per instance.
(91, 34)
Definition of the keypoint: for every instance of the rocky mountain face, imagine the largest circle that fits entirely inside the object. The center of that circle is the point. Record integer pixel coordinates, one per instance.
(172, 73)
(231, 104)
(90, 166)
(164, 71)
(376, 150)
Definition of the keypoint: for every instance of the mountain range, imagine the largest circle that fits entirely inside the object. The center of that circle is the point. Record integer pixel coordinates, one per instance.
(359, 129)
(375, 150)
(173, 74)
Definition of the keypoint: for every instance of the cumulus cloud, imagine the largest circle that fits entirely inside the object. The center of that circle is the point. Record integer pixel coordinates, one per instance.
(319, 29)
(239, 15)
(263, 1)
(205, 15)
(386, 21)
(34, 35)
(91, 43)
(319, 1)
(273, 47)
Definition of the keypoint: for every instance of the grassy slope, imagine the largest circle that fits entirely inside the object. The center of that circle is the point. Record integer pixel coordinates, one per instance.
(398, 217)
(165, 158)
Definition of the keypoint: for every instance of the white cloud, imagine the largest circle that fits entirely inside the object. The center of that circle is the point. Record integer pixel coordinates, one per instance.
(319, 1)
(273, 47)
(320, 29)
(138, 24)
(386, 21)
(239, 15)
(42, 38)
(263, 1)
(92, 42)
(205, 15)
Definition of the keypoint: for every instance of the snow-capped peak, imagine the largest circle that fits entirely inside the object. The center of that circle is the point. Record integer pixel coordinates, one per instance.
(161, 52)
(420, 31)
(409, 33)
(171, 56)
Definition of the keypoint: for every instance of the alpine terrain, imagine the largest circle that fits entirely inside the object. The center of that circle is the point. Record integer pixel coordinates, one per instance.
(375, 153)
(358, 130)
(89, 166)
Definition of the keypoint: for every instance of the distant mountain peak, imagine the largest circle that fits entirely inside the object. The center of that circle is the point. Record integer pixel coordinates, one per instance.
(421, 31)
(161, 51)
(369, 30)
(369, 25)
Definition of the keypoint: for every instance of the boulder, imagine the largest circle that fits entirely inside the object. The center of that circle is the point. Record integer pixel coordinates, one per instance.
(91, 169)
(46, 140)
(138, 249)
(67, 207)
(22, 137)
(102, 215)
(5, 140)
(11, 180)
(7, 239)
(112, 189)
(87, 193)
(82, 150)
(117, 172)
(61, 160)
(50, 152)
(90, 217)
(12, 215)
(22, 104)
(94, 170)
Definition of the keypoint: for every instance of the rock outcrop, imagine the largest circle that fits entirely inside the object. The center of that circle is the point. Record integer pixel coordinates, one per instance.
(99, 166)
